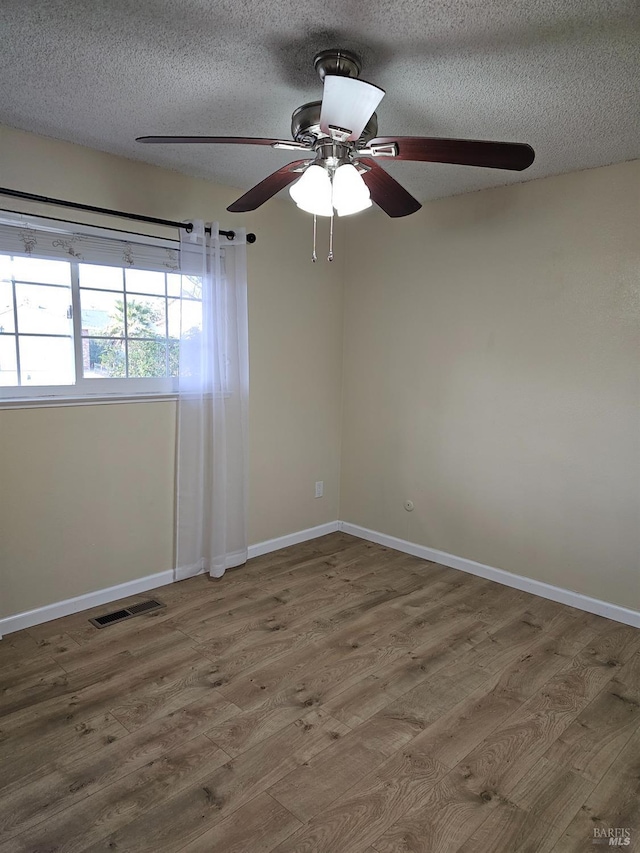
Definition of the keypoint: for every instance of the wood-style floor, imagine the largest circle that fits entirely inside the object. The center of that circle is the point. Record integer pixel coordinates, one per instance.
(334, 697)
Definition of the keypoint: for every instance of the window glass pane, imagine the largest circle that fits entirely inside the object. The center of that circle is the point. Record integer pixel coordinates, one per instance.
(46, 361)
(102, 313)
(145, 281)
(147, 358)
(44, 272)
(191, 317)
(105, 278)
(44, 310)
(8, 361)
(5, 268)
(146, 317)
(173, 284)
(192, 286)
(103, 359)
(6, 307)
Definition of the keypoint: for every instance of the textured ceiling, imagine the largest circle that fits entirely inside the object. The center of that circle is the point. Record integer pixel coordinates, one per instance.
(562, 75)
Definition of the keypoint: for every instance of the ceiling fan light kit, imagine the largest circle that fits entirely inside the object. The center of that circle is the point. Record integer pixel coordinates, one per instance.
(312, 192)
(339, 135)
(350, 193)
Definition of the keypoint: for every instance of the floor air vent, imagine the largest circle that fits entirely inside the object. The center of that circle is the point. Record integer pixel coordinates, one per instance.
(126, 613)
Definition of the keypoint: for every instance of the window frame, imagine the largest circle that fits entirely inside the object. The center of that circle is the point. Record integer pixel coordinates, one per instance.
(87, 389)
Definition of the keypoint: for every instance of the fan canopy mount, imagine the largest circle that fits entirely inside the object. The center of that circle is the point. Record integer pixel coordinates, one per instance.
(343, 63)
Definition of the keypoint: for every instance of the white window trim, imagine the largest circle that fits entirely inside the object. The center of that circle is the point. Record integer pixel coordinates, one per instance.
(86, 400)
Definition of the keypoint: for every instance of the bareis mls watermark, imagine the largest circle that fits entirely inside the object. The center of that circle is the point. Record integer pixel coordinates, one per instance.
(617, 836)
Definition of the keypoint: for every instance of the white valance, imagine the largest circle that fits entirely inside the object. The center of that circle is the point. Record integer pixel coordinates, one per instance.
(36, 237)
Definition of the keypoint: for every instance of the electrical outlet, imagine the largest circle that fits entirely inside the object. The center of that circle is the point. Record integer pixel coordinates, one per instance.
(319, 488)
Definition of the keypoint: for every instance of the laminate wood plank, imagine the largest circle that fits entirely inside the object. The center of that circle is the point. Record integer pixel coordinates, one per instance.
(20, 647)
(613, 804)
(446, 816)
(540, 809)
(100, 664)
(36, 681)
(285, 559)
(370, 807)
(510, 751)
(591, 744)
(347, 566)
(249, 728)
(307, 670)
(30, 754)
(284, 608)
(312, 681)
(180, 819)
(168, 694)
(315, 599)
(258, 827)
(627, 678)
(309, 789)
(108, 651)
(513, 638)
(229, 620)
(237, 656)
(20, 671)
(490, 602)
(82, 826)
(92, 694)
(47, 790)
(377, 690)
(455, 733)
(434, 621)
(434, 696)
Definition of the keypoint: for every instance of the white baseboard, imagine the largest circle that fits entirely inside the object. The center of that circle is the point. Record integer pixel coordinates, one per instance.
(104, 596)
(293, 539)
(544, 590)
(29, 618)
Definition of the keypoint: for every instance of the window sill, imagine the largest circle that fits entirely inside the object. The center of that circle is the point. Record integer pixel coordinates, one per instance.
(86, 400)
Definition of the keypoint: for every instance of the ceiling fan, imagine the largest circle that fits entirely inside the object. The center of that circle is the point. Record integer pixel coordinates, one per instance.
(338, 135)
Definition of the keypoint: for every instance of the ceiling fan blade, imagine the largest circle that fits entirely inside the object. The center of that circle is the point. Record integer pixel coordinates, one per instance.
(465, 152)
(348, 104)
(267, 188)
(388, 193)
(222, 140)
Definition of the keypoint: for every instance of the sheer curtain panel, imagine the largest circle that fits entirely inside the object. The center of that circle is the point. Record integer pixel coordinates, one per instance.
(212, 404)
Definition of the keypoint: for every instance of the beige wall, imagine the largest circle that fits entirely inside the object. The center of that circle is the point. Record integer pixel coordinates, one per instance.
(86, 493)
(491, 376)
(87, 499)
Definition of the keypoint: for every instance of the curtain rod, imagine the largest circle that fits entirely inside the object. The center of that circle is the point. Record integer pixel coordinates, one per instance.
(153, 220)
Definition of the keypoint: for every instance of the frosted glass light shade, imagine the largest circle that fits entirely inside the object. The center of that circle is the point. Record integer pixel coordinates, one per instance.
(312, 192)
(350, 193)
(348, 103)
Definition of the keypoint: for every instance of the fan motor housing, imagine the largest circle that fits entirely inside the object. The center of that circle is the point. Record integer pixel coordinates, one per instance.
(305, 125)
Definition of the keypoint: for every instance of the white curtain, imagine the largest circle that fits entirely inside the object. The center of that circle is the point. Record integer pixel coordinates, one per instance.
(212, 403)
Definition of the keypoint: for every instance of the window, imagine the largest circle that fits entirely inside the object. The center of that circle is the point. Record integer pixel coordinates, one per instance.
(76, 327)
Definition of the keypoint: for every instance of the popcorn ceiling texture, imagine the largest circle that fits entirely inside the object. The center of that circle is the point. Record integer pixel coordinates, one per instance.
(562, 75)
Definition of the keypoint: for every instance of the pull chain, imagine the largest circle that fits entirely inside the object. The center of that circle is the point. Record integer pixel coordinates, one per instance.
(330, 257)
(314, 257)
